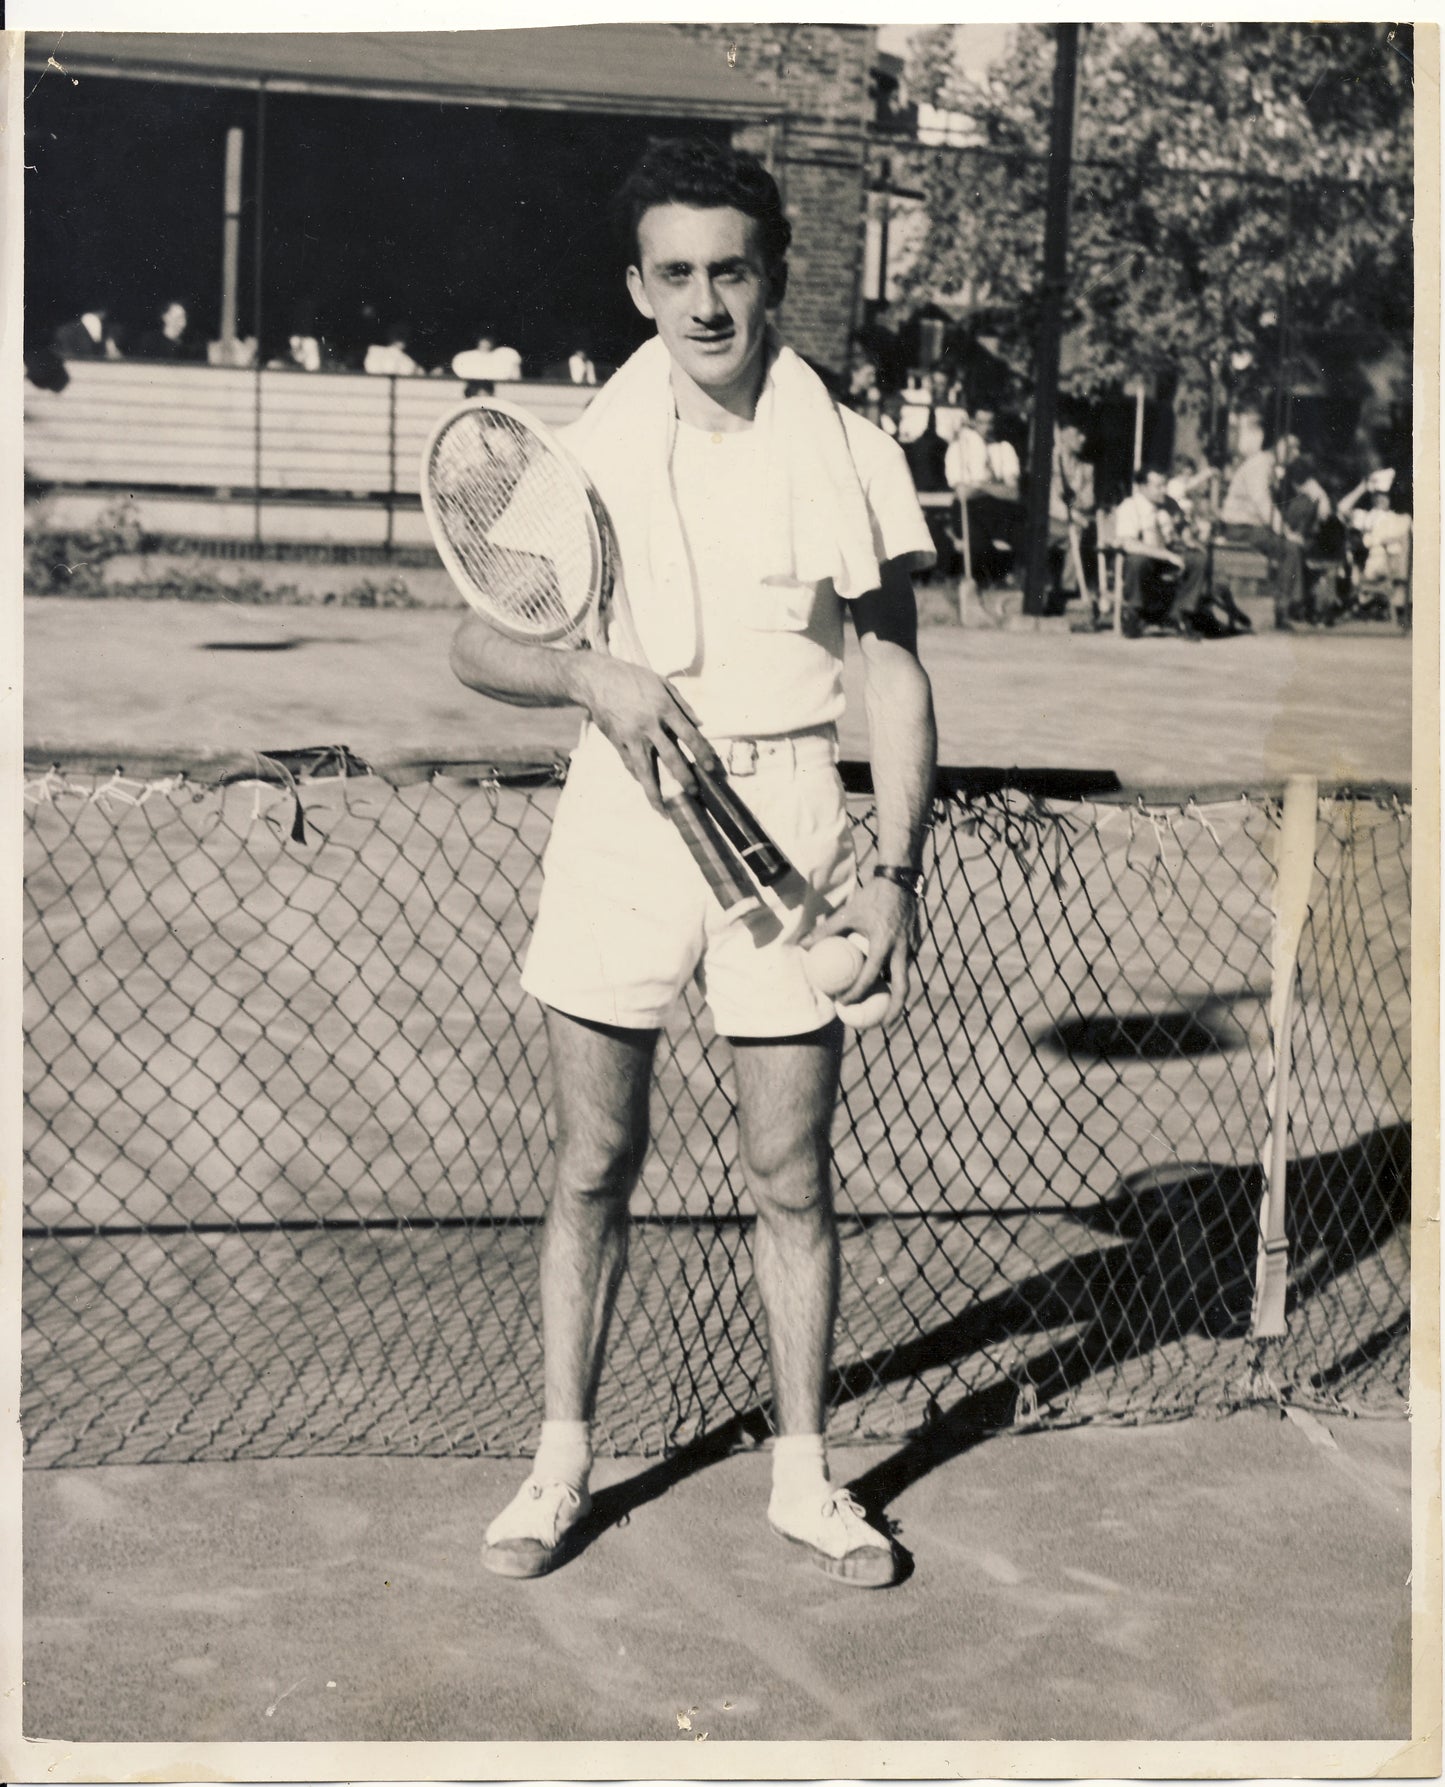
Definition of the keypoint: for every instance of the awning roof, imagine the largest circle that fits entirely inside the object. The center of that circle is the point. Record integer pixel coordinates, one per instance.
(613, 68)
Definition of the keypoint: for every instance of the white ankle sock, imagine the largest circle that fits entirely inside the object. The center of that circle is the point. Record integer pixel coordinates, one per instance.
(800, 1467)
(564, 1453)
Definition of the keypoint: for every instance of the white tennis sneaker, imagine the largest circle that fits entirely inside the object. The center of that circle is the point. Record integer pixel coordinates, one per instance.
(837, 1535)
(528, 1537)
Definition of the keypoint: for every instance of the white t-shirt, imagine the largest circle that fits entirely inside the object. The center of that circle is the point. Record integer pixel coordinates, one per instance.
(771, 658)
(972, 460)
(390, 358)
(1136, 521)
(502, 363)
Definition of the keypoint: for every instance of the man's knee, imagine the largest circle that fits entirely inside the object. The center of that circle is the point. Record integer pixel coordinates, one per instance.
(600, 1159)
(788, 1174)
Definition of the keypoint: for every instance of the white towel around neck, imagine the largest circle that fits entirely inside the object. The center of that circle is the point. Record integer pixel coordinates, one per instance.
(810, 522)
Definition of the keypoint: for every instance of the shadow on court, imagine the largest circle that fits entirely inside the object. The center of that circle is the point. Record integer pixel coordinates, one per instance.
(1221, 1579)
(1204, 1579)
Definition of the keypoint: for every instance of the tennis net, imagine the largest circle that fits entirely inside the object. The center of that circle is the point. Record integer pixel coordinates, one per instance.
(286, 1124)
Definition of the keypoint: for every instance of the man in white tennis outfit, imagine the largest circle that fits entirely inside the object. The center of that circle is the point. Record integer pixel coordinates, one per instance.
(750, 510)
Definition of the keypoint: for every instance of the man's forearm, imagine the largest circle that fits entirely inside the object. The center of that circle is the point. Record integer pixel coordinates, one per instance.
(520, 674)
(904, 746)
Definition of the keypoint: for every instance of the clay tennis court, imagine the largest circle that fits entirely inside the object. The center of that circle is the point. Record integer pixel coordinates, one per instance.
(1088, 1548)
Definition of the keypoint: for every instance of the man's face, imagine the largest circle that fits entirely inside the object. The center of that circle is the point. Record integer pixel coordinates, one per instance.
(702, 278)
(174, 320)
(1154, 488)
(1072, 437)
(983, 422)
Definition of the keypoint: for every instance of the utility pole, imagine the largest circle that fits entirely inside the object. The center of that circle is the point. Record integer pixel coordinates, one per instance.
(231, 245)
(1051, 319)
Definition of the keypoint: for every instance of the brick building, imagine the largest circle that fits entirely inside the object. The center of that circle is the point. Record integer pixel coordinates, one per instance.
(433, 175)
(816, 145)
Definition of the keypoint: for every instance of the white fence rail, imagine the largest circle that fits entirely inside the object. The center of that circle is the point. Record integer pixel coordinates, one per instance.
(217, 432)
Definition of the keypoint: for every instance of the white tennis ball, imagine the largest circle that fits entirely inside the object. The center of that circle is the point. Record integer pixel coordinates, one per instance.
(864, 1013)
(834, 963)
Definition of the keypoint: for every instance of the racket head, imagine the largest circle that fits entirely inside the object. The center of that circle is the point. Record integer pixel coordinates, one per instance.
(515, 521)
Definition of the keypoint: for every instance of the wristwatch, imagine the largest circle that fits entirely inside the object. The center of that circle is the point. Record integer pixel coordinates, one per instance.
(910, 880)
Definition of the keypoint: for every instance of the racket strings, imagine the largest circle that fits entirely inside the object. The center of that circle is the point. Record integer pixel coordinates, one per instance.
(512, 517)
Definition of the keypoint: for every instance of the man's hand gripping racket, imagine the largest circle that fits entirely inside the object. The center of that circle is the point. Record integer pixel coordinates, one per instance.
(528, 543)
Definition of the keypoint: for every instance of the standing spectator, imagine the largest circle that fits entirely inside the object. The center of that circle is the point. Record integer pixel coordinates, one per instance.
(391, 356)
(87, 337)
(501, 365)
(863, 388)
(170, 341)
(580, 369)
(1157, 576)
(881, 338)
(1071, 506)
(925, 404)
(1250, 517)
(983, 472)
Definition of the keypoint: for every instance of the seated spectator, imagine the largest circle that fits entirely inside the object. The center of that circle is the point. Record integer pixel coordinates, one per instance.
(1188, 483)
(1249, 516)
(1216, 614)
(87, 337)
(303, 354)
(498, 365)
(949, 414)
(1162, 583)
(45, 369)
(390, 356)
(1305, 517)
(1383, 533)
(983, 472)
(171, 341)
(242, 352)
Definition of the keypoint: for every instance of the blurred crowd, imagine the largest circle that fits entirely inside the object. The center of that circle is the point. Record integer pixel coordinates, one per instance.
(368, 344)
(1168, 554)
(1165, 555)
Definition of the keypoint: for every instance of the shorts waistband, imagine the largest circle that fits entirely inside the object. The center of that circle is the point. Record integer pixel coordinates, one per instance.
(807, 749)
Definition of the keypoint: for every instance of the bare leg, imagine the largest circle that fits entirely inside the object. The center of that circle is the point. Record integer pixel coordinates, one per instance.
(601, 1076)
(786, 1093)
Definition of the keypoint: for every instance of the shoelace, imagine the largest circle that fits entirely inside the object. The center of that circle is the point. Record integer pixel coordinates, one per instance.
(841, 1502)
(568, 1496)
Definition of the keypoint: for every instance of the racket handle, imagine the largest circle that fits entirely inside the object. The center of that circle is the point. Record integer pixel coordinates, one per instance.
(713, 855)
(741, 829)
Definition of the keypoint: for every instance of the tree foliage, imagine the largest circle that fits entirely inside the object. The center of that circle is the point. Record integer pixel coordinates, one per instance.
(1226, 176)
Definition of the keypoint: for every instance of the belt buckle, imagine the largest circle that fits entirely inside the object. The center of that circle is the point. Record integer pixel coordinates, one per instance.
(742, 757)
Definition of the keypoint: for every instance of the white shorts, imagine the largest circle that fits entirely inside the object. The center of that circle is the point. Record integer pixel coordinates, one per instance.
(626, 919)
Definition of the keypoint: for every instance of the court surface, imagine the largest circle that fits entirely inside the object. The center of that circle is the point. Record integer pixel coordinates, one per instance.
(1229, 1579)
(1208, 1580)
(126, 678)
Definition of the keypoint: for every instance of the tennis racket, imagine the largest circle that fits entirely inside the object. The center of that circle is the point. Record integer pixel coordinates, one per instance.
(527, 541)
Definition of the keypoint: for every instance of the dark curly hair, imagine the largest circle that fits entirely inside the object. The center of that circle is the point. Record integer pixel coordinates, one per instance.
(696, 171)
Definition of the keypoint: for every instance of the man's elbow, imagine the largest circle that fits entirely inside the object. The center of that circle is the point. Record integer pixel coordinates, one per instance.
(471, 655)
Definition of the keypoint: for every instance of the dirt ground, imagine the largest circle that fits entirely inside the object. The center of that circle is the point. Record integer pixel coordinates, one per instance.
(178, 680)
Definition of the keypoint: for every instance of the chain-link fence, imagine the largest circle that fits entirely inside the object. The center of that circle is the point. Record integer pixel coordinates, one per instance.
(287, 1126)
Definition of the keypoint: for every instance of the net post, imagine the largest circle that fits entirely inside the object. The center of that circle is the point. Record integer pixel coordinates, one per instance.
(1294, 872)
